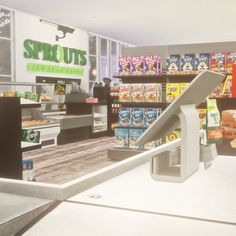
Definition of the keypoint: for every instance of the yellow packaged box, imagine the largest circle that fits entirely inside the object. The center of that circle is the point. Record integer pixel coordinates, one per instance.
(172, 91)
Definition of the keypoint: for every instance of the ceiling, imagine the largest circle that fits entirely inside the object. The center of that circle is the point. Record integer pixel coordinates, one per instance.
(150, 22)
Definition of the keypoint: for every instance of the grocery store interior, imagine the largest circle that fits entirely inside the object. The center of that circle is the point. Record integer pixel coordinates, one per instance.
(122, 109)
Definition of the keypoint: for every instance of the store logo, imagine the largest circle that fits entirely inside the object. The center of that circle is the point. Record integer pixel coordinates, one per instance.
(54, 53)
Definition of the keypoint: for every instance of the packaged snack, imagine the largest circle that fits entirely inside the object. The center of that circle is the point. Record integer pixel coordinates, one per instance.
(230, 60)
(153, 65)
(138, 65)
(218, 62)
(202, 62)
(187, 64)
(182, 87)
(172, 91)
(150, 115)
(227, 87)
(124, 119)
(30, 136)
(125, 93)
(125, 66)
(134, 134)
(211, 124)
(137, 117)
(150, 145)
(173, 136)
(153, 92)
(121, 138)
(173, 64)
(137, 93)
(202, 114)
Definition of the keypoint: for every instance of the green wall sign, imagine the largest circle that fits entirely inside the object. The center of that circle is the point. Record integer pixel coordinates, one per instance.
(54, 53)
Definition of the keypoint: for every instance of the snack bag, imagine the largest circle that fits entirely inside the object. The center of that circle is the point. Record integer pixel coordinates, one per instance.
(125, 67)
(230, 60)
(172, 91)
(137, 93)
(124, 119)
(137, 117)
(152, 92)
(202, 114)
(187, 64)
(150, 115)
(153, 65)
(211, 124)
(134, 134)
(138, 65)
(218, 62)
(121, 138)
(202, 62)
(227, 87)
(125, 93)
(173, 64)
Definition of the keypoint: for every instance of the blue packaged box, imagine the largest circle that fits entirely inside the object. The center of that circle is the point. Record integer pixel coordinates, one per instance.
(137, 117)
(173, 64)
(124, 117)
(150, 115)
(187, 64)
(121, 138)
(202, 62)
(134, 134)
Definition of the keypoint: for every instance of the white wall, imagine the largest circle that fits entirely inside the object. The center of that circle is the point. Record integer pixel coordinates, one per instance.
(29, 27)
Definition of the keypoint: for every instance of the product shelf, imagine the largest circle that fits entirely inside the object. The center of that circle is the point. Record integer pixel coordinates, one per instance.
(145, 104)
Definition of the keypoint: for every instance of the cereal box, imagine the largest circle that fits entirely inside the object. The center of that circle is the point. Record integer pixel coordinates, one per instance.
(153, 92)
(137, 93)
(187, 64)
(150, 115)
(230, 60)
(173, 64)
(202, 62)
(124, 119)
(121, 138)
(227, 87)
(138, 65)
(172, 91)
(173, 136)
(150, 145)
(218, 62)
(153, 65)
(202, 114)
(125, 93)
(137, 117)
(125, 67)
(134, 134)
(183, 86)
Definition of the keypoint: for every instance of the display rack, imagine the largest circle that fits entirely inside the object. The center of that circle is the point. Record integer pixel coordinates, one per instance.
(163, 79)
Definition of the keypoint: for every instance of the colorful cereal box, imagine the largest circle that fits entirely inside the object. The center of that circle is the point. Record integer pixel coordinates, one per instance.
(124, 118)
(137, 93)
(173, 64)
(173, 136)
(125, 93)
(187, 64)
(230, 60)
(152, 92)
(121, 138)
(172, 91)
(218, 62)
(153, 65)
(227, 87)
(202, 62)
(137, 117)
(138, 65)
(150, 115)
(134, 134)
(183, 86)
(125, 67)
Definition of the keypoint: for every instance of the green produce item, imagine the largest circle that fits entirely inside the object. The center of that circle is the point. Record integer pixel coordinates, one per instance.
(30, 136)
(211, 124)
(28, 95)
(35, 97)
(20, 94)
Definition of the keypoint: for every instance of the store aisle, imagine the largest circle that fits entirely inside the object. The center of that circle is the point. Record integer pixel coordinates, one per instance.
(64, 163)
